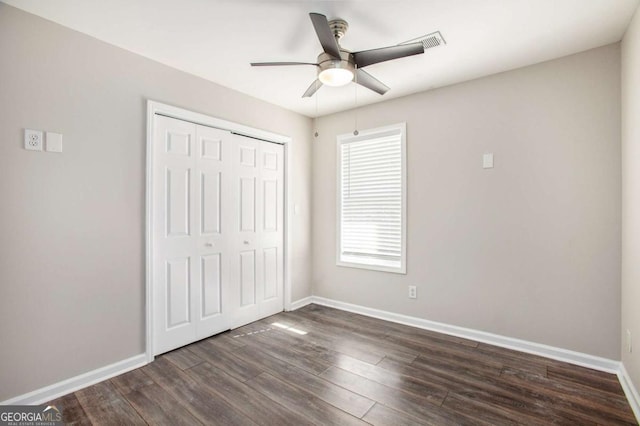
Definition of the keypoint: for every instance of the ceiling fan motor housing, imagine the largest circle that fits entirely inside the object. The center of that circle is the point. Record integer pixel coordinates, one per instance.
(326, 61)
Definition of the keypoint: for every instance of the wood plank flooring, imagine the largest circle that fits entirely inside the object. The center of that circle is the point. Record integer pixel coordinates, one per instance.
(348, 370)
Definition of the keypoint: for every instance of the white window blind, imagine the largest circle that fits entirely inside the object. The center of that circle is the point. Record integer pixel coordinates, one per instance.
(371, 199)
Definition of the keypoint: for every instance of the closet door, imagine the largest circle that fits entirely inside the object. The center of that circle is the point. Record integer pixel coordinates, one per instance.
(271, 247)
(257, 260)
(214, 235)
(191, 232)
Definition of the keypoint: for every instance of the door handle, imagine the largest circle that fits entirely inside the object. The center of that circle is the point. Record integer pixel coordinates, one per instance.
(246, 242)
(208, 244)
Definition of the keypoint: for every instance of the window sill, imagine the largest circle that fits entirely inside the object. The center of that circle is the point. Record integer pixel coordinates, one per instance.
(378, 266)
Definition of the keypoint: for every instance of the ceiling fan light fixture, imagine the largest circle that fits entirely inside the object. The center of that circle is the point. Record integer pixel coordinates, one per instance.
(336, 77)
(337, 66)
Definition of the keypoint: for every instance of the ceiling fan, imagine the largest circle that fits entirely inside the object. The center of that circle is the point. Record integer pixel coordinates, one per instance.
(338, 66)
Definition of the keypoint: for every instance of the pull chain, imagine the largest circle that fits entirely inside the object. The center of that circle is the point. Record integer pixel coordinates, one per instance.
(355, 111)
(315, 119)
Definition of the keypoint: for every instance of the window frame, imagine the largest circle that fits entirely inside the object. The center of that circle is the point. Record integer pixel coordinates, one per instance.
(361, 136)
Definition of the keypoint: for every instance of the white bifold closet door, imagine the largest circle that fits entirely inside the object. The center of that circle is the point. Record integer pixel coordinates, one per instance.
(257, 260)
(217, 231)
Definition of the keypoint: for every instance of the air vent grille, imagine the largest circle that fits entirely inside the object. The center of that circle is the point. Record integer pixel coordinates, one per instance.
(429, 41)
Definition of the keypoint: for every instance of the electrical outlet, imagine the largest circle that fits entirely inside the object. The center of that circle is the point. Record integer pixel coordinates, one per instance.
(33, 140)
(629, 347)
(413, 292)
(487, 161)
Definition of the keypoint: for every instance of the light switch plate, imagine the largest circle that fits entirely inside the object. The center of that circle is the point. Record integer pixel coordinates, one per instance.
(487, 161)
(54, 142)
(33, 140)
(413, 292)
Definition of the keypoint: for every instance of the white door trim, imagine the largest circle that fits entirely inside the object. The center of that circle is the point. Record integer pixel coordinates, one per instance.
(154, 108)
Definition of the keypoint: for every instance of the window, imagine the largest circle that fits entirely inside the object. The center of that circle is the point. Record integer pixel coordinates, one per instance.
(372, 199)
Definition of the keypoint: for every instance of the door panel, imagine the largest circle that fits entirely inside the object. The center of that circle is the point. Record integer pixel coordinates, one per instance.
(270, 272)
(270, 161)
(211, 148)
(247, 204)
(179, 141)
(258, 168)
(211, 279)
(247, 278)
(271, 289)
(189, 275)
(177, 195)
(244, 267)
(270, 205)
(211, 204)
(178, 289)
(212, 243)
(248, 154)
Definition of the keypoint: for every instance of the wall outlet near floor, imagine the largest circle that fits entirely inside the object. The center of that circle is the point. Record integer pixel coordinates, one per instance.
(413, 292)
(629, 346)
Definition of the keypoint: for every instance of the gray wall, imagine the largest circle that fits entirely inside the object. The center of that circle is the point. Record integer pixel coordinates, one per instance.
(72, 224)
(631, 196)
(529, 249)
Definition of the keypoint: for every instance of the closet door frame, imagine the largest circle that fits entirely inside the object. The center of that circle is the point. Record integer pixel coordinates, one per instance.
(157, 108)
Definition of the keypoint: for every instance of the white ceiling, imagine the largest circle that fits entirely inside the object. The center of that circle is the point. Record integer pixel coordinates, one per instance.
(216, 39)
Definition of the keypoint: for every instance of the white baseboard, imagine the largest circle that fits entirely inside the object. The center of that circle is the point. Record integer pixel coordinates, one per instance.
(630, 391)
(300, 303)
(73, 384)
(572, 357)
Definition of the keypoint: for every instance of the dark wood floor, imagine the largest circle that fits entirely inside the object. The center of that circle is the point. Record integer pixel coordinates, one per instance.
(348, 369)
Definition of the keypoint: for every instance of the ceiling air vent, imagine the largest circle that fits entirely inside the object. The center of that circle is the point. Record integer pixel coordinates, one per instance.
(429, 41)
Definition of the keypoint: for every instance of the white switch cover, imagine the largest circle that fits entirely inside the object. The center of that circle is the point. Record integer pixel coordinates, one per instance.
(54, 142)
(487, 161)
(33, 140)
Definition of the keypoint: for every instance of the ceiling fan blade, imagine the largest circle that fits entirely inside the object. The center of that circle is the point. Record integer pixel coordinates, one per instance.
(276, 64)
(312, 89)
(365, 79)
(325, 35)
(369, 57)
